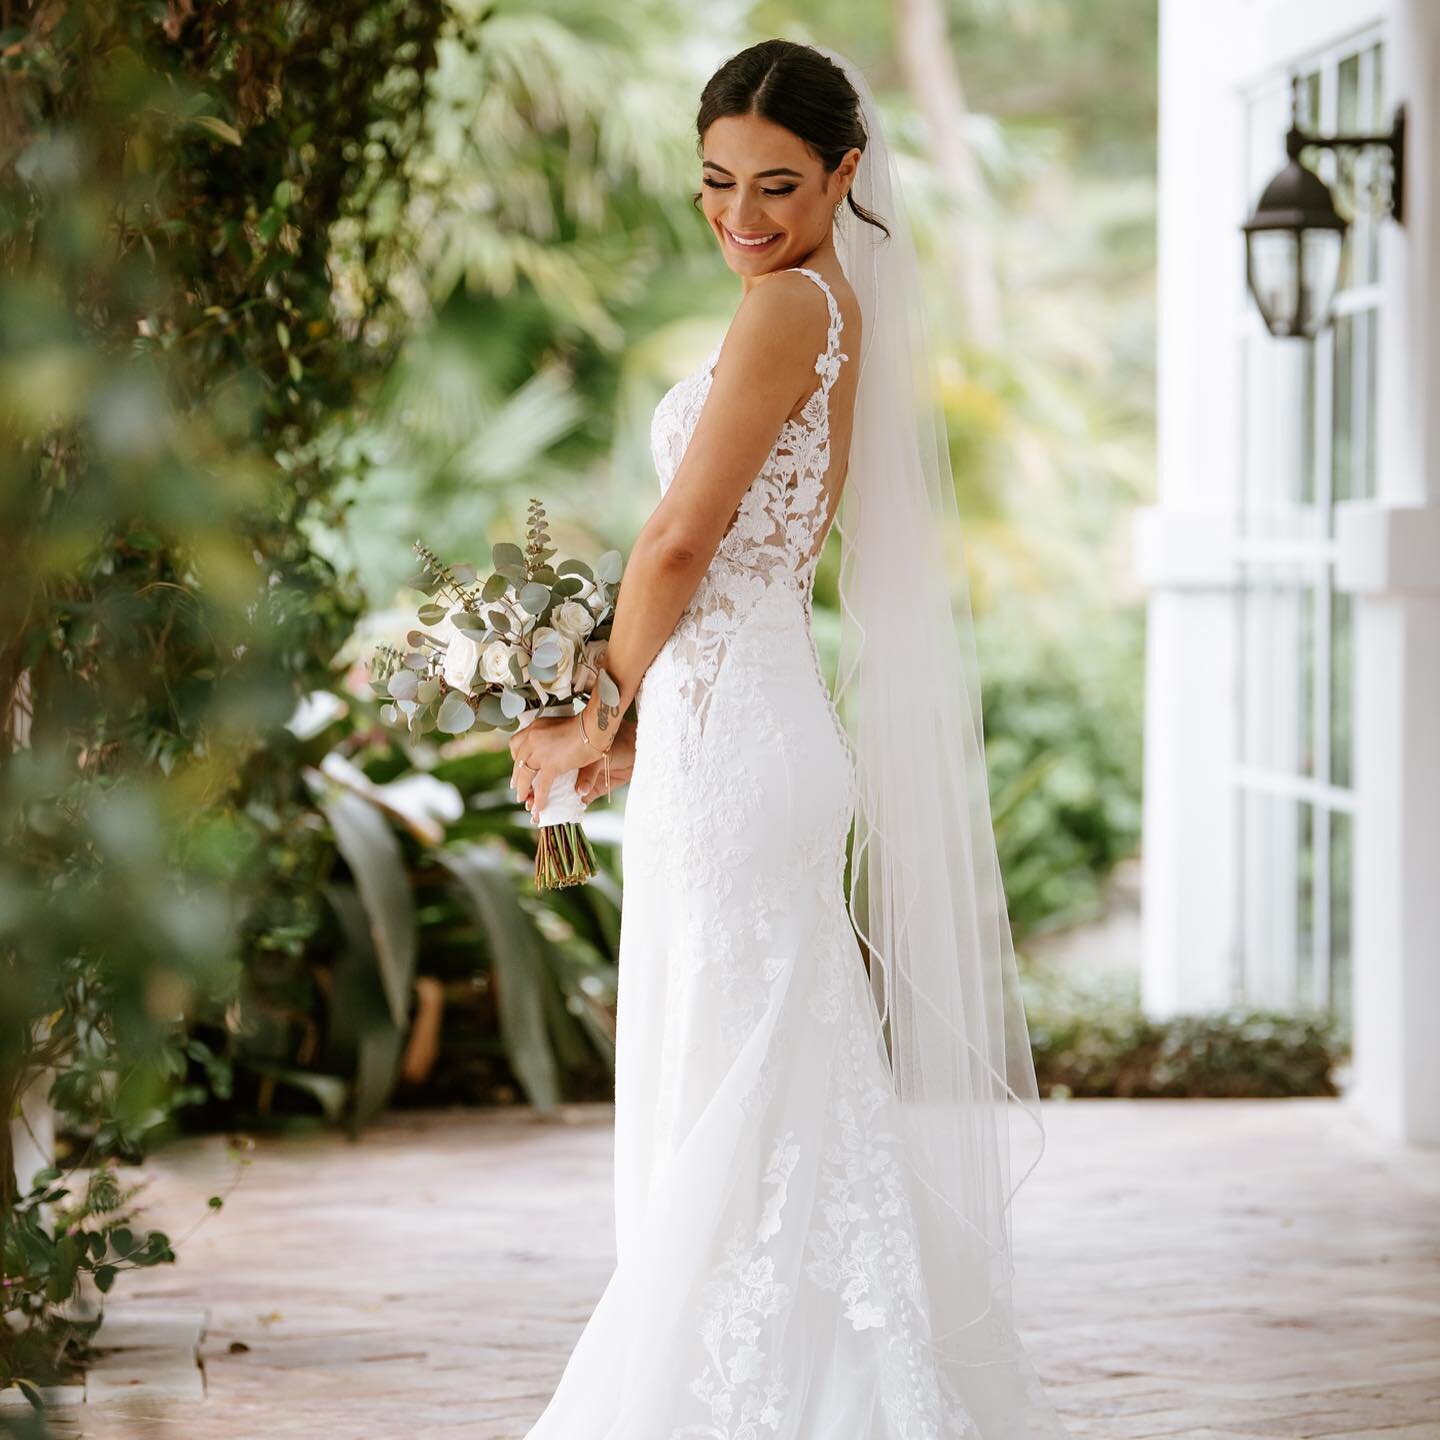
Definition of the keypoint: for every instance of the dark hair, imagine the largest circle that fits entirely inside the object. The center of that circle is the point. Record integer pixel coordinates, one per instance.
(798, 88)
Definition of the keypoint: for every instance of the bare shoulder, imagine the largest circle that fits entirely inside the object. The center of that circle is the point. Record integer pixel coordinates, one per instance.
(780, 324)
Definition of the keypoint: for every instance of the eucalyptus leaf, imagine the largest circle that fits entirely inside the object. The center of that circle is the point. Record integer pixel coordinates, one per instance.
(432, 614)
(512, 703)
(464, 574)
(494, 587)
(504, 553)
(568, 585)
(456, 716)
(403, 685)
(574, 567)
(534, 597)
(609, 690)
(500, 620)
(609, 567)
(490, 710)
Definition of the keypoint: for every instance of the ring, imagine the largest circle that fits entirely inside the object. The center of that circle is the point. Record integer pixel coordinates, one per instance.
(518, 761)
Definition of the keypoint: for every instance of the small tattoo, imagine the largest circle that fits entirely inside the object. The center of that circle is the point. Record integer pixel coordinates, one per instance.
(607, 713)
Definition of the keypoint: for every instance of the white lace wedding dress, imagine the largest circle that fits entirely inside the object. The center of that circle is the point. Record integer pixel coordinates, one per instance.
(769, 1282)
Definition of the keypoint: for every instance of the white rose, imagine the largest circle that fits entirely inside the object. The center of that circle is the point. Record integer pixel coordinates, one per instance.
(462, 654)
(560, 687)
(573, 620)
(587, 666)
(495, 662)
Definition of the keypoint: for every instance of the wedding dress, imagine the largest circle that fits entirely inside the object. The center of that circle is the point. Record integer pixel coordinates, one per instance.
(770, 1277)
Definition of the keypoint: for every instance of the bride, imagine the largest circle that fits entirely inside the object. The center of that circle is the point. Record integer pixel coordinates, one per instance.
(813, 1167)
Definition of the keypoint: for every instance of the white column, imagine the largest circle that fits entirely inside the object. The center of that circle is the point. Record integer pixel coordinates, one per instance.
(1184, 544)
(1389, 558)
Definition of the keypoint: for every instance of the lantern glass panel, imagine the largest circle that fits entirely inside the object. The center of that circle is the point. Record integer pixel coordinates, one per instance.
(1275, 277)
(1320, 270)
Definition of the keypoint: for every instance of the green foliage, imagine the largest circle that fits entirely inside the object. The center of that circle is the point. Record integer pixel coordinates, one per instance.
(1096, 1042)
(169, 343)
(1062, 741)
(53, 1239)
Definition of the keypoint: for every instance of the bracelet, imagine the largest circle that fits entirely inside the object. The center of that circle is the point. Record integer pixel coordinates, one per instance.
(585, 736)
(603, 682)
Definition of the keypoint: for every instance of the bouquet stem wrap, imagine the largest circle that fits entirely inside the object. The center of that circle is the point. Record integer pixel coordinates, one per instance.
(563, 854)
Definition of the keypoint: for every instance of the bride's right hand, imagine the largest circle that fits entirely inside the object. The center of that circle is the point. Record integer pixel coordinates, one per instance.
(590, 782)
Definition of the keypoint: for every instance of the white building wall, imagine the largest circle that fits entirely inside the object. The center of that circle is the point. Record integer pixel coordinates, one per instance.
(1386, 552)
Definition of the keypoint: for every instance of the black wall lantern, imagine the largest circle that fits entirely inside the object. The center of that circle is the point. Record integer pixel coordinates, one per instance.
(1293, 240)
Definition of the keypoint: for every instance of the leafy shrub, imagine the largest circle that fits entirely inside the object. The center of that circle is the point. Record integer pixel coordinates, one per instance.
(1062, 743)
(1098, 1042)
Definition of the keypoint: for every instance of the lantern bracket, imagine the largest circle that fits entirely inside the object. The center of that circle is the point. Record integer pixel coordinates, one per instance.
(1297, 140)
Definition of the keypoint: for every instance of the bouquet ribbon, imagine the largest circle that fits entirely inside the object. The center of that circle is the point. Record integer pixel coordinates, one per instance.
(563, 805)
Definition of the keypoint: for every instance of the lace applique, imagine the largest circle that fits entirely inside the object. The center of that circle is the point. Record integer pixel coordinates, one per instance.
(771, 543)
(739, 1385)
(865, 1249)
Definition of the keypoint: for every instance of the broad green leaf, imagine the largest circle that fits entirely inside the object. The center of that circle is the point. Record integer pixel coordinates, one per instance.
(534, 597)
(503, 553)
(364, 837)
(520, 974)
(456, 715)
(220, 129)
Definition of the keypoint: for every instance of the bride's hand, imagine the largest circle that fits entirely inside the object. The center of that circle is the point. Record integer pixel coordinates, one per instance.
(544, 750)
(591, 781)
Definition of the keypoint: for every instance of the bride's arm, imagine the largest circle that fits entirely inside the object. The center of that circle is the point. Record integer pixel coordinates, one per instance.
(766, 366)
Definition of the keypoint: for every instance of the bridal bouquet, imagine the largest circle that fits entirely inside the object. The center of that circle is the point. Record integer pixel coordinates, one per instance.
(525, 642)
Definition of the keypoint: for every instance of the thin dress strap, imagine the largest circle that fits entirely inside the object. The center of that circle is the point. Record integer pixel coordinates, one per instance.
(827, 365)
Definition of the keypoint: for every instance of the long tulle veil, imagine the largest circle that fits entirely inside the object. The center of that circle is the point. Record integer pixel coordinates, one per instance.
(925, 890)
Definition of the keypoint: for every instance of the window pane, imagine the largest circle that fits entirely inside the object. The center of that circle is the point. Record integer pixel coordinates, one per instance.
(1277, 898)
(1342, 460)
(1278, 650)
(1341, 892)
(1343, 184)
(1371, 331)
(1341, 683)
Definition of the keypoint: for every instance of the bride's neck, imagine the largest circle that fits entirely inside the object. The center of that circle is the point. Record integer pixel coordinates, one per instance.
(817, 257)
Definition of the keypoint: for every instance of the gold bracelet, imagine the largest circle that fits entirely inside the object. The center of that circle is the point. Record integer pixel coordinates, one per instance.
(584, 735)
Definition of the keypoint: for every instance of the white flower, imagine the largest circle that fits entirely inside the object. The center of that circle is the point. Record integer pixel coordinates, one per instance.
(462, 654)
(560, 687)
(587, 666)
(495, 662)
(573, 620)
(864, 1315)
(590, 596)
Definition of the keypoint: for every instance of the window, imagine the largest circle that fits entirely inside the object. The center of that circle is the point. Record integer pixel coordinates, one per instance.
(1309, 441)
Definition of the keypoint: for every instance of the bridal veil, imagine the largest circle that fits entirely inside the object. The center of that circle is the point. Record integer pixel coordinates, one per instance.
(925, 890)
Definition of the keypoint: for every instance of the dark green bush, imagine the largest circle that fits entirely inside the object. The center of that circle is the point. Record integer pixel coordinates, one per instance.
(1099, 1043)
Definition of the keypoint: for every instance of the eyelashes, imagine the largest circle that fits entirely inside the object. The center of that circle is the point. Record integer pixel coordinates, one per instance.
(730, 185)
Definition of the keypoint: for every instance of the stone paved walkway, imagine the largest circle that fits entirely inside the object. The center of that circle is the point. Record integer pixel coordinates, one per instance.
(1195, 1271)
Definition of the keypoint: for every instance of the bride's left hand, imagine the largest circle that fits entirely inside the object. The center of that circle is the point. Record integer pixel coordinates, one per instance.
(550, 748)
